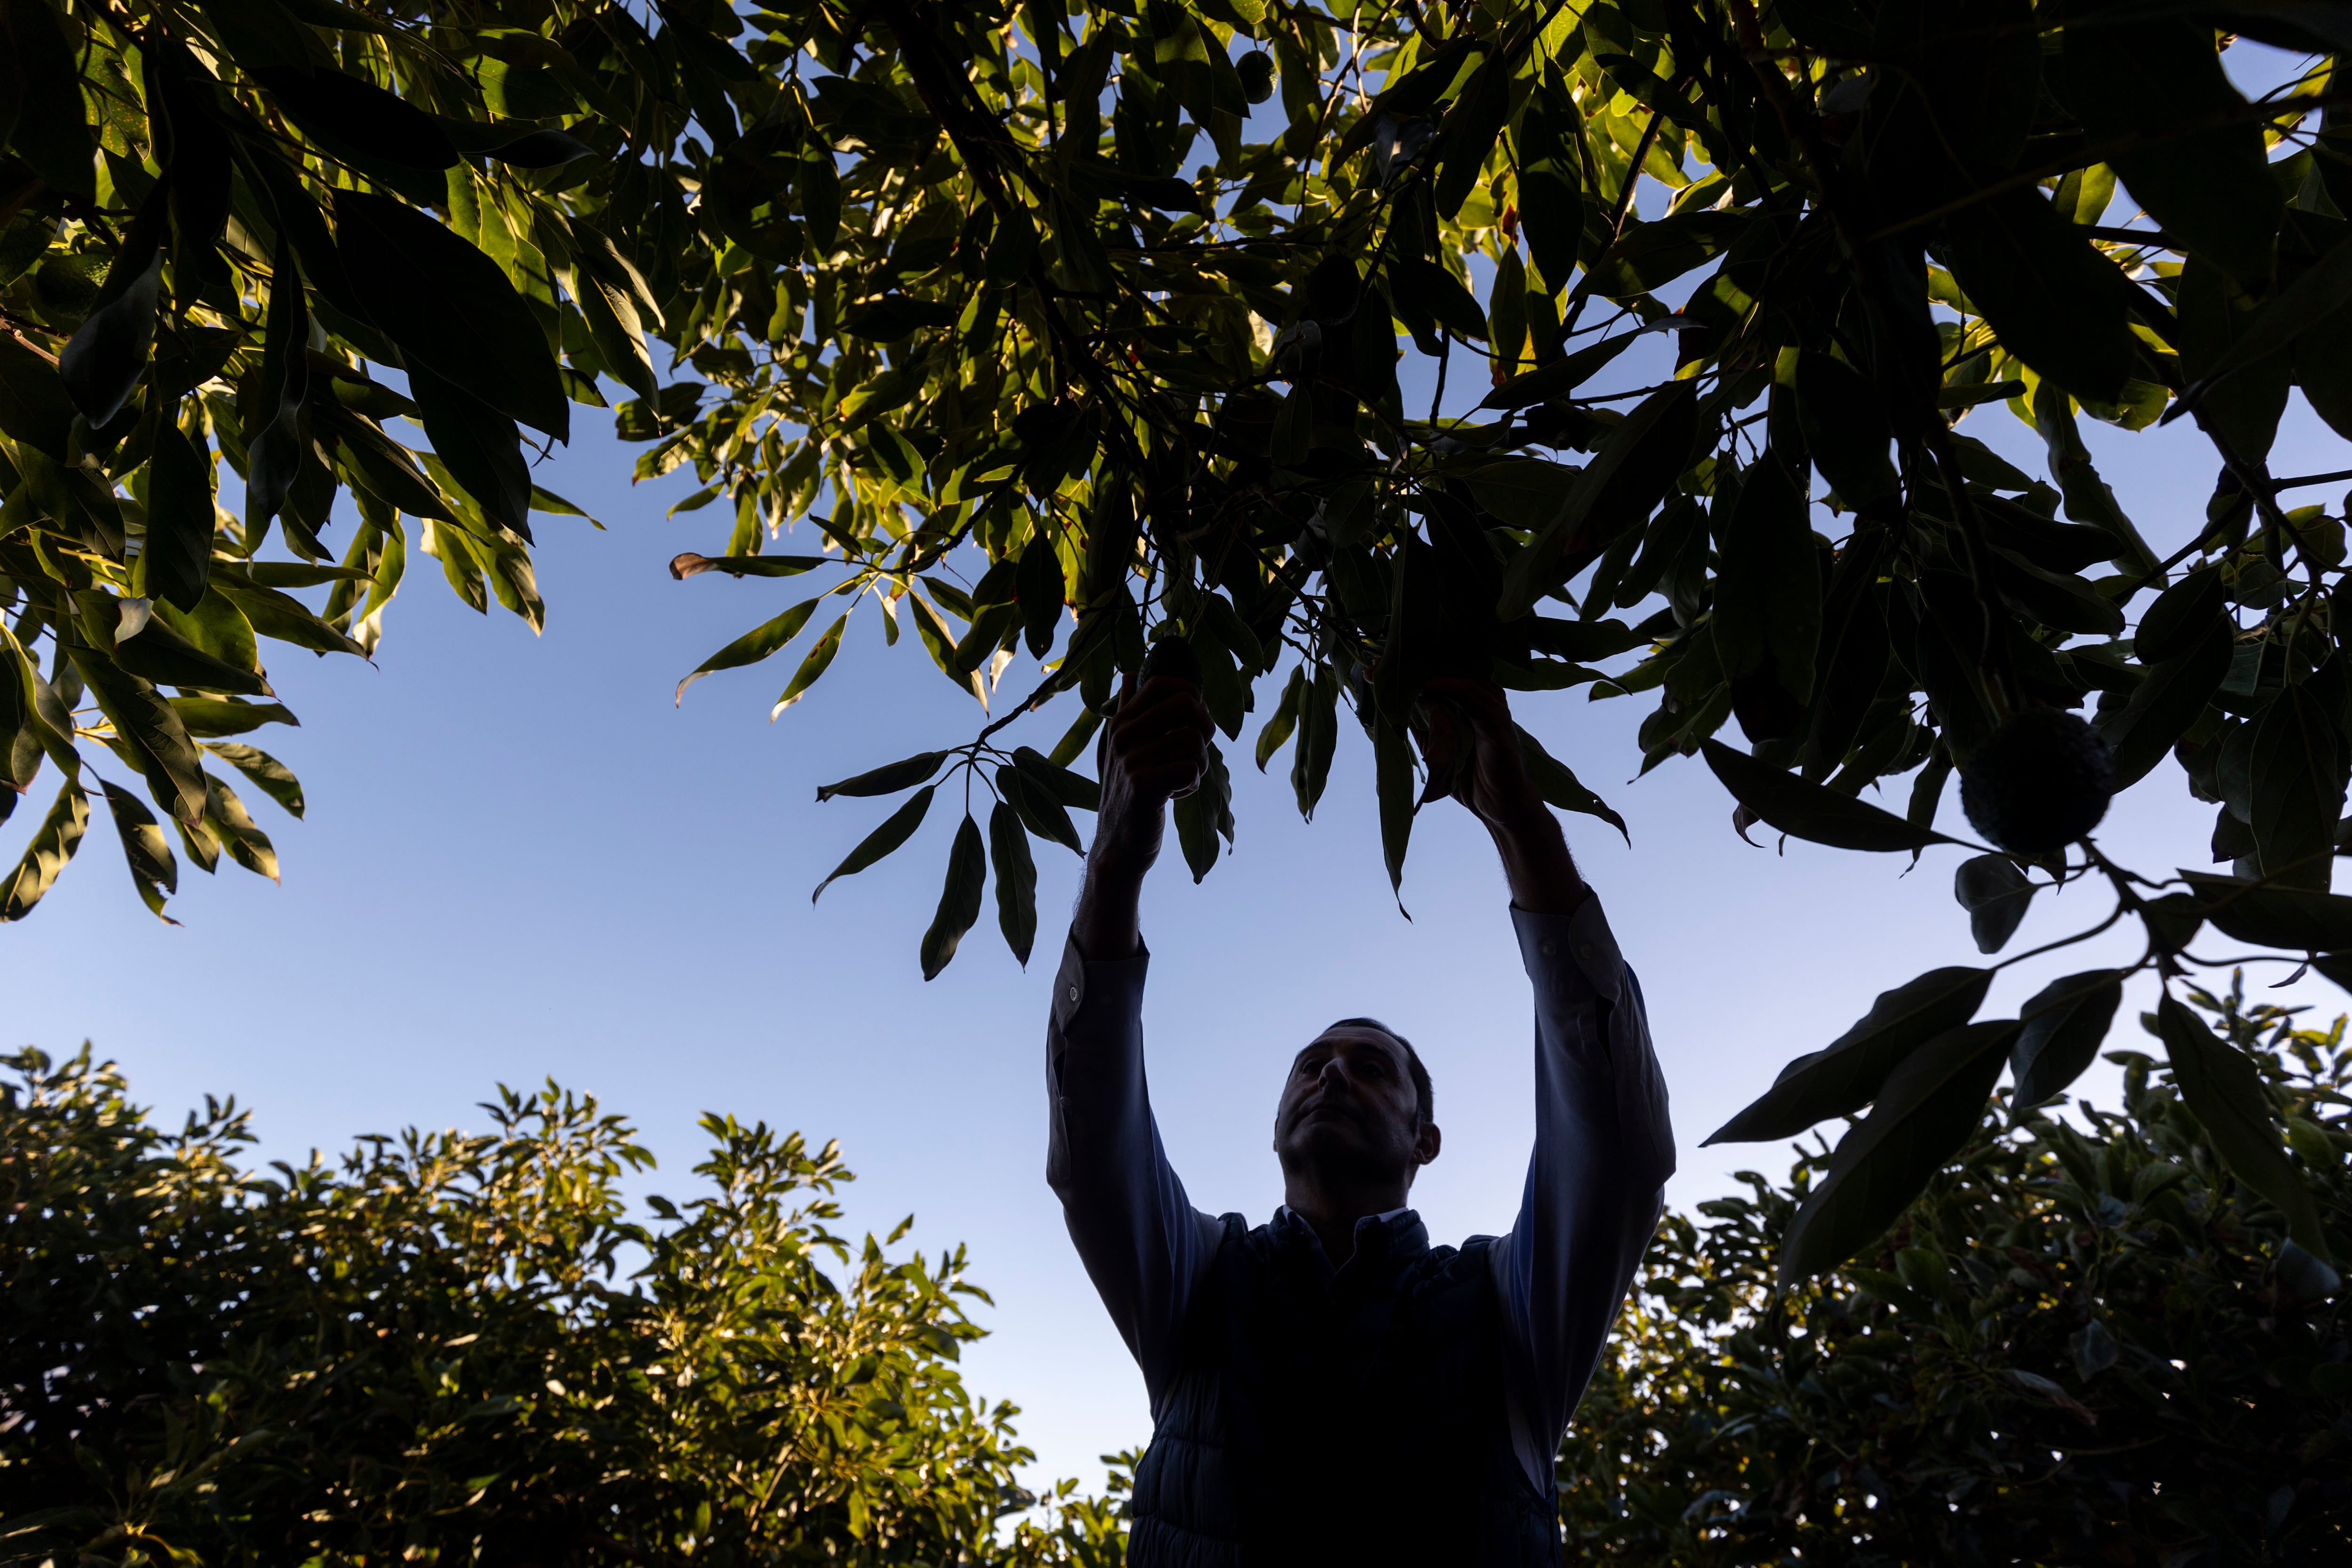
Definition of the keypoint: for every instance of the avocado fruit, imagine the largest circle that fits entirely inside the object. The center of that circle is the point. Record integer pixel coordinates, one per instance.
(1171, 655)
(2039, 783)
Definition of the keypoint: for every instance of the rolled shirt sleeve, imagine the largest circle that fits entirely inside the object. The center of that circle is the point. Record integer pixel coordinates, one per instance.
(1595, 1182)
(1143, 1244)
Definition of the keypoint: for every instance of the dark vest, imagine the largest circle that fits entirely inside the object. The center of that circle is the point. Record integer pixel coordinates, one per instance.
(1352, 1417)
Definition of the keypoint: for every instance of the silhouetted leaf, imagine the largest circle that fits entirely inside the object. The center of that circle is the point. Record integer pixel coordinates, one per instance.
(959, 899)
(1845, 1075)
(1812, 810)
(893, 831)
(889, 780)
(1016, 881)
(1995, 893)
(1930, 1106)
(2062, 1028)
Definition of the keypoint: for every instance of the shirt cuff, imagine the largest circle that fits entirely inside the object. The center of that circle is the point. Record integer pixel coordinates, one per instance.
(1573, 954)
(1080, 985)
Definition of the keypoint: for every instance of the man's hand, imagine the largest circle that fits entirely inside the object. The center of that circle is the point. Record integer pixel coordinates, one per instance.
(1154, 749)
(1470, 735)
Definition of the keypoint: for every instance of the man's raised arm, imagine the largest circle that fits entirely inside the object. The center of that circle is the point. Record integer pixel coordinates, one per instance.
(1142, 1243)
(1603, 1147)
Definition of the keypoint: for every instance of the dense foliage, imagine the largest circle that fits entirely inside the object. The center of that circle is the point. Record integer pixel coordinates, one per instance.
(451, 1348)
(2072, 1349)
(1106, 302)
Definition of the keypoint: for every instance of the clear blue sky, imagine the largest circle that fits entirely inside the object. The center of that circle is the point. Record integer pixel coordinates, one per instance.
(521, 861)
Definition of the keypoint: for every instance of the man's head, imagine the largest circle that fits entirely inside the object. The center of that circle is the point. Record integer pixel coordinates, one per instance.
(1356, 1106)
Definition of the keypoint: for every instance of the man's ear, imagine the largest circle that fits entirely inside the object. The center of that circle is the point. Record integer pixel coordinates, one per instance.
(1426, 1144)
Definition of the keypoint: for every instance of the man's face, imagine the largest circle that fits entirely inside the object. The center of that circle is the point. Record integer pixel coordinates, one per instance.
(1349, 1108)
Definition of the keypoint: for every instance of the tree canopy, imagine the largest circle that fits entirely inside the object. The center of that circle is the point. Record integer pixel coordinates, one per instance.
(458, 1348)
(1054, 330)
(2074, 1348)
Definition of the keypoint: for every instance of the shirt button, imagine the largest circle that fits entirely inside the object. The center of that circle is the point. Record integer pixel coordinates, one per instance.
(1072, 994)
(1549, 948)
(1588, 951)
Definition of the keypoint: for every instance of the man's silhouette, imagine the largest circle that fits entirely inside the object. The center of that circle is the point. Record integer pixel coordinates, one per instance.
(1328, 1387)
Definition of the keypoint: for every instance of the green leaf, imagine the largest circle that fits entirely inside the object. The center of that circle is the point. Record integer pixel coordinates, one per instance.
(450, 309)
(889, 780)
(1847, 1074)
(2164, 704)
(102, 362)
(1623, 483)
(1846, 428)
(1559, 378)
(1995, 893)
(2063, 1027)
(1204, 816)
(893, 831)
(1768, 605)
(281, 616)
(268, 774)
(1471, 129)
(1074, 790)
(1649, 256)
(178, 556)
(478, 445)
(2216, 315)
(940, 644)
(760, 642)
(1559, 788)
(1016, 881)
(2222, 1086)
(34, 407)
(53, 844)
(52, 131)
(692, 565)
(1393, 785)
(210, 716)
(2181, 617)
(1523, 491)
(157, 652)
(2054, 300)
(1283, 720)
(2318, 295)
(149, 729)
(1038, 810)
(959, 899)
(1928, 1110)
(1812, 810)
(2209, 189)
(820, 656)
(153, 870)
(1319, 737)
(2290, 918)
(2298, 775)
(333, 107)
(1551, 211)
(1442, 294)
(1039, 588)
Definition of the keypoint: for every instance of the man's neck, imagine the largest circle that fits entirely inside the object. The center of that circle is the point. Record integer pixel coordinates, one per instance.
(1332, 1215)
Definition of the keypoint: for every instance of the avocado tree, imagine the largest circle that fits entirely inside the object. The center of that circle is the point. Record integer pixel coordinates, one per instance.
(2074, 1348)
(455, 1348)
(1057, 331)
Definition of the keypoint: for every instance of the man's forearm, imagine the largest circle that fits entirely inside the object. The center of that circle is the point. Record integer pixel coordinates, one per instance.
(1535, 861)
(1106, 924)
